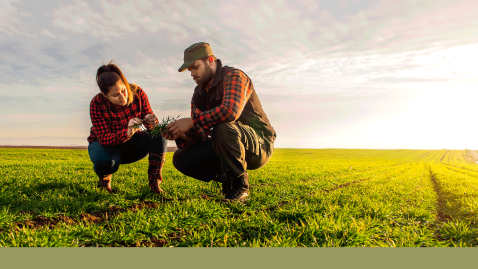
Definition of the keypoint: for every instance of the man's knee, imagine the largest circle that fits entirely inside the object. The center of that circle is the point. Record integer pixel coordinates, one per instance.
(179, 160)
(225, 132)
(196, 164)
(224, 128)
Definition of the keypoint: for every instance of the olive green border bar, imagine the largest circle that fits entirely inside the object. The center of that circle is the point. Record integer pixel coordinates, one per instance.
(229, 258)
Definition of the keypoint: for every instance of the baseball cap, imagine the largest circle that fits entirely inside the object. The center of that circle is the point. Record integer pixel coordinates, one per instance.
(194, 52)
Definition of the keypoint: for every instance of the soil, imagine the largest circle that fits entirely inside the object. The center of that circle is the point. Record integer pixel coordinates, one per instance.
(441, 215)
(170, 149)
(474, 155)
(99, 217)
(41, 221)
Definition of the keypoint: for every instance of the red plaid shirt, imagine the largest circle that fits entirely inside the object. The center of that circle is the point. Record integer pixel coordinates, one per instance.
(110, 122)
(237, 90)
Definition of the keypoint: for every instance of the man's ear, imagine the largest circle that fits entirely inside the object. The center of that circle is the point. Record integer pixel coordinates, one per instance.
(211, 59)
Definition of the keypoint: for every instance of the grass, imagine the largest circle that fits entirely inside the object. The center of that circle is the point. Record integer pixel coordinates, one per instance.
(303, 197)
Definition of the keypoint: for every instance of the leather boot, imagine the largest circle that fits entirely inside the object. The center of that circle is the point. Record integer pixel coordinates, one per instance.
(226, 182)
(155, 170)
(235, 189)
(105, 182)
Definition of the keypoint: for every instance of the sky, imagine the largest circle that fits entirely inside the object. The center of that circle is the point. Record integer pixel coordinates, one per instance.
(329, 74)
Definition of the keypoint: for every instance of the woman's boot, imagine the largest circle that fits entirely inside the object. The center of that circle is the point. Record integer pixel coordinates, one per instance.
(105, 182)
(155, 170)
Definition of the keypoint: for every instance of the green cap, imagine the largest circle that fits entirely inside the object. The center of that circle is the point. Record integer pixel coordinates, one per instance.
(195, 52)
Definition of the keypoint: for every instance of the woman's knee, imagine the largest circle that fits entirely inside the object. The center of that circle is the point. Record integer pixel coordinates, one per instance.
(106, 167)
(105, 160)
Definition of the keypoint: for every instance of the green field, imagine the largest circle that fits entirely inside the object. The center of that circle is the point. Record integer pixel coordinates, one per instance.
(303, 197)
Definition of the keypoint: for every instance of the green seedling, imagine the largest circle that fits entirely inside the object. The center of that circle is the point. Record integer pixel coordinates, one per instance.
(161, 127)
(140, 126)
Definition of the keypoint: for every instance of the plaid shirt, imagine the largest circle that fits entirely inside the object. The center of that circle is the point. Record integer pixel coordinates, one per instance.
(237, 90)
(110, 122)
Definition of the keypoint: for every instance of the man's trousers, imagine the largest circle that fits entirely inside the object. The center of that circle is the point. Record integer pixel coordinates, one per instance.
(233, 149)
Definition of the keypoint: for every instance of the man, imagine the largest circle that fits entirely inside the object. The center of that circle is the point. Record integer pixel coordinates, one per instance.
(228, 131)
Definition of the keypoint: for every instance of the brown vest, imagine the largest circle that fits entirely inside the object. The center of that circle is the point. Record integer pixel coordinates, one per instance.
(253, 115)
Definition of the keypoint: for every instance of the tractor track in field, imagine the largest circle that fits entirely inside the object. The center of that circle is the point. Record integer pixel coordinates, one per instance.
(441, 200)
(442, 157)
(458, 170)
(97, 217)
(426, 153)
(101, 218)
(334, 188)
(460, 167)
(177, 235)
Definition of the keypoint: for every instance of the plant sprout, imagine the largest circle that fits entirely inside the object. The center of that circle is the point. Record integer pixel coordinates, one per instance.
(140, 126)
(161, 127)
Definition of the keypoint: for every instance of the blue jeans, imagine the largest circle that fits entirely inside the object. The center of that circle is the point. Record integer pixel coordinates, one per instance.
(106, 160)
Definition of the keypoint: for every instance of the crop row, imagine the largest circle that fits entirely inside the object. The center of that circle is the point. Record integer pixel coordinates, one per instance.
(303, 197)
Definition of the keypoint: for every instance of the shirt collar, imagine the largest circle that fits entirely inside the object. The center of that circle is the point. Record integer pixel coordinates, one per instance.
(217, 76)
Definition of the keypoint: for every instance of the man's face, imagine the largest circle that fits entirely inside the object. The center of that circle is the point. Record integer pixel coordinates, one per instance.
(201, 73)
(118, 94)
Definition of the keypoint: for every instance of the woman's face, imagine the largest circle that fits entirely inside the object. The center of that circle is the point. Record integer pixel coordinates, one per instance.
(118, 94)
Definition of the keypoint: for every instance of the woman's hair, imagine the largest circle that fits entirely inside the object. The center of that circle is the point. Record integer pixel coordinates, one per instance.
(108, 75)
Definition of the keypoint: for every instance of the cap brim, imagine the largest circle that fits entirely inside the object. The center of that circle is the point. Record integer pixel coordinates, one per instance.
(185, 66)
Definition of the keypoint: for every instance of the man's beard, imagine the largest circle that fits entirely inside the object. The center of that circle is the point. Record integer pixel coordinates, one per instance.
(208, 75)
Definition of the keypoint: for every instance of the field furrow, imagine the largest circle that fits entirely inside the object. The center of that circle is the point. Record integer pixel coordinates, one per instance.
(303, 197)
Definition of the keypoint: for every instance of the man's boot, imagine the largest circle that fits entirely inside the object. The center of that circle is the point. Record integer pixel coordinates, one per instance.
(235, 189)
(226, 182)
(155, 170)
(105, 182)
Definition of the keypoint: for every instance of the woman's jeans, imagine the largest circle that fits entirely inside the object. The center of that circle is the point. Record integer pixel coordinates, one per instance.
(106, 160)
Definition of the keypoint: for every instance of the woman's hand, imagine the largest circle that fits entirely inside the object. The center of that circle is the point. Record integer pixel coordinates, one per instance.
(131, 124)
(151, 119)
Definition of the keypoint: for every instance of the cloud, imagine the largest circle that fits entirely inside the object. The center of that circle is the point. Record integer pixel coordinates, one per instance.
(56, 51)
(318, 64)
(47, 33)
(22, 118)
(118, 20)
(94, 52)
(80, 18)
(11, 19)
(173, 105)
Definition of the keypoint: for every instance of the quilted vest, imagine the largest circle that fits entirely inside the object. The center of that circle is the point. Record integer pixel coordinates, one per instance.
(253, 115)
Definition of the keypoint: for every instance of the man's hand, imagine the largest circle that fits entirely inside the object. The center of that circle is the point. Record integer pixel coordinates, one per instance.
(180, 126)
(151, 120)
(169, 136)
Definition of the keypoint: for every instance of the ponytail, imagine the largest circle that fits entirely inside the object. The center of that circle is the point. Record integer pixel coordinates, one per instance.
(108, 75)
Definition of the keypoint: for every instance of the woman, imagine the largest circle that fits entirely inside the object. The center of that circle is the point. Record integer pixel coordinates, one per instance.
(113, 139)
